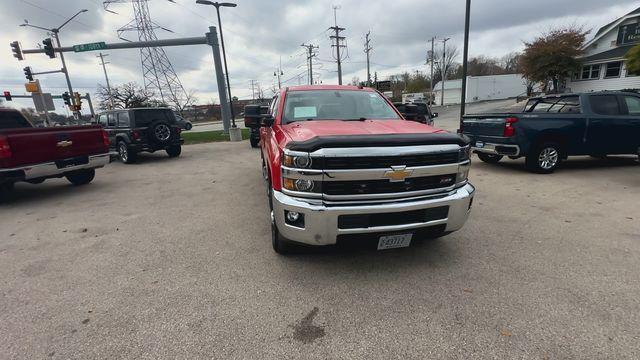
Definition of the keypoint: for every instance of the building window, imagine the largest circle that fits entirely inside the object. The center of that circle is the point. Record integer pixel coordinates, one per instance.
(613, 69)
(590, 72)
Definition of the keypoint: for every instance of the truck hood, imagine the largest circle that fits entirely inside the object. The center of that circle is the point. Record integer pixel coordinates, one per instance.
(312, 135)
(305, 130)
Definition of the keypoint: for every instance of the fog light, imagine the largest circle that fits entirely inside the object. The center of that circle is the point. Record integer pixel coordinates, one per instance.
(304, 184)
(293, 216)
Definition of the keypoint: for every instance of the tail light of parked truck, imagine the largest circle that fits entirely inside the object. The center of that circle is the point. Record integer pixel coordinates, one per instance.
(105, 138)
(509, 130)
(5, 148)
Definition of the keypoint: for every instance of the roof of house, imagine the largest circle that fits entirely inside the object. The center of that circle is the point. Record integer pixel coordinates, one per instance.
(615, 53)
(603, 30)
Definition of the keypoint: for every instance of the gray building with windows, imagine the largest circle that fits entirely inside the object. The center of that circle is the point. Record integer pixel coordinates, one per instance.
(603, 60)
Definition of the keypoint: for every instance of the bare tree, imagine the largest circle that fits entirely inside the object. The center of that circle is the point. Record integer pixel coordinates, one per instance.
(450, 62)
(182, 104)
(127, 95)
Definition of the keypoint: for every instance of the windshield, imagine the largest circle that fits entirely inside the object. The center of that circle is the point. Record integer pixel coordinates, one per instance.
(336, 105)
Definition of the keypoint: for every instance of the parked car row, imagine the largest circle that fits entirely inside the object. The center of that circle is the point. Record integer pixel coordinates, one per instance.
(29, 154)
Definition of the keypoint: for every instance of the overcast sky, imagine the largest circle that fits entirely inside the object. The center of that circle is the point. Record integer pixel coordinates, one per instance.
(260, 33)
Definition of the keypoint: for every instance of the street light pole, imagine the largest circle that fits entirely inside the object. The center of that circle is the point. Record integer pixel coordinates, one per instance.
(55, 32)
(224, 54)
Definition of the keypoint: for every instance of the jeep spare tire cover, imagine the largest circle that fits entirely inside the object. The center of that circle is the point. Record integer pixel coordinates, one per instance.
(160, 131)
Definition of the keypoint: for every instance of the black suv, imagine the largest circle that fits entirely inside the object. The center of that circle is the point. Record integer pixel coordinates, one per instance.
(142, 129)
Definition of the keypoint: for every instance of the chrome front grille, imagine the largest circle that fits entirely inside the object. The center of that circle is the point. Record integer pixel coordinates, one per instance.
(362, 175)
(377, 162)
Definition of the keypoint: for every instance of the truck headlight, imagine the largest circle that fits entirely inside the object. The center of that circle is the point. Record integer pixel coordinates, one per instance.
(464, 153)
(463, 173)
(297, 161)
(302, 185)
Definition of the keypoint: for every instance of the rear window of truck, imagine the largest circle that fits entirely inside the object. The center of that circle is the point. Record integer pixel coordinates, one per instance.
(565, 104)
(12, 120)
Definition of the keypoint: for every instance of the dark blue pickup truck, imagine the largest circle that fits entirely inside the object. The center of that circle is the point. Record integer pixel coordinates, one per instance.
(553, 127)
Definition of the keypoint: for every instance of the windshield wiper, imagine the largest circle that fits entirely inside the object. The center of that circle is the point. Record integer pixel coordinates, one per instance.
(356, 119)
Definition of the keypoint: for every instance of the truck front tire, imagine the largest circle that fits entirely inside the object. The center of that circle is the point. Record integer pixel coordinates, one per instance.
(544, 158)
(81, 177)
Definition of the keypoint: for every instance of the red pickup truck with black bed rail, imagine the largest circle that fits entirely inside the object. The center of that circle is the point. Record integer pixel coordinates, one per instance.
(33, 155)
(342, 164)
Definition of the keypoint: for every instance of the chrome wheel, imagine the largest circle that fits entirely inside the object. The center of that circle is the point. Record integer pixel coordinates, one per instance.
(162, 132)
(123, 152)
(548, 158)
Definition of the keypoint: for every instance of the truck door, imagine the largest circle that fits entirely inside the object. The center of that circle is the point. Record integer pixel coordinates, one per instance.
(631, 119)
(605, 132)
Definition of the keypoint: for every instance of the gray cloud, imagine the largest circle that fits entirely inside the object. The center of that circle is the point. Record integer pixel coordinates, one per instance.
(260, 33)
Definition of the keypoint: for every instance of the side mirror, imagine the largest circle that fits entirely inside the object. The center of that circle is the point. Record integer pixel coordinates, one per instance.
(267, 120)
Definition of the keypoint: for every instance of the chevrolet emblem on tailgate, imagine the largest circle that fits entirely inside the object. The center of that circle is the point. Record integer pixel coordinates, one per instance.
(398, 173)
(64, 143)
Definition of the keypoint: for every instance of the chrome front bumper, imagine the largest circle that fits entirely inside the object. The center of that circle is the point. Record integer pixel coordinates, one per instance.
(50, 169)
(498, 149)
(321, 222)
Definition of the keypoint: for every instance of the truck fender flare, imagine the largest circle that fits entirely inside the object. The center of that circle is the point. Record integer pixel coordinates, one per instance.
(123, 137)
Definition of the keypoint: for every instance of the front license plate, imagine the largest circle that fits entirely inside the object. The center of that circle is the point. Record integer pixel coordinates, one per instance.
(479, 144)
(394, 241)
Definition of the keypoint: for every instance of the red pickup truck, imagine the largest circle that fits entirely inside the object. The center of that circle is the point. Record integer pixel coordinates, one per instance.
(341, 164)
(36, 154)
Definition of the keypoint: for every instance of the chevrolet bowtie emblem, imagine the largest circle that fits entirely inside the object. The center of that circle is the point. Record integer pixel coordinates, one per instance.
(398, 173)
(64, 143)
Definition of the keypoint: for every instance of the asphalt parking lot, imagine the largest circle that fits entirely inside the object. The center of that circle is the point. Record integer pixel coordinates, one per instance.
(171, 258)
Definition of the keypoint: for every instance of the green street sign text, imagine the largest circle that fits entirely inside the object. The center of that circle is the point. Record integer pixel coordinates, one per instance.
(90, 47)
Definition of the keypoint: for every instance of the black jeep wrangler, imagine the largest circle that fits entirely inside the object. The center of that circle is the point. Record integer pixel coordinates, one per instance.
(142, 129)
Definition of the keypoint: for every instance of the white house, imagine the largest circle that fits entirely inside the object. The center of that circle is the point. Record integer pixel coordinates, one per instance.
(603, 60)
(480, 88)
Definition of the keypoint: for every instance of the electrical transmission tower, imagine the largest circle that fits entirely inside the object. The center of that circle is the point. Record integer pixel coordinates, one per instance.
(311, 53)
(339, 42)
(157, 72)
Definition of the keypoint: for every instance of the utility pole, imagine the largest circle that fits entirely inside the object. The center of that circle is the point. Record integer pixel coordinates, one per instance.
(465, 55)
(338, 39)
(443, 65)
(432, 58)
(279, 73)
(253, 93)
(106, 77)
(310, 55)
(367, 50)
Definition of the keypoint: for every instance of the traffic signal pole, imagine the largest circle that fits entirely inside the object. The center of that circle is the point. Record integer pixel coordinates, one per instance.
(76, 113)
(210, 39)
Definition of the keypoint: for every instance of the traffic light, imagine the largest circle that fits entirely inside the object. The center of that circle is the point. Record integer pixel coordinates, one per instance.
(7, 95)
(48, 48)
(27, 73)
(76, 97)
(17, 51)
(66, 98)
